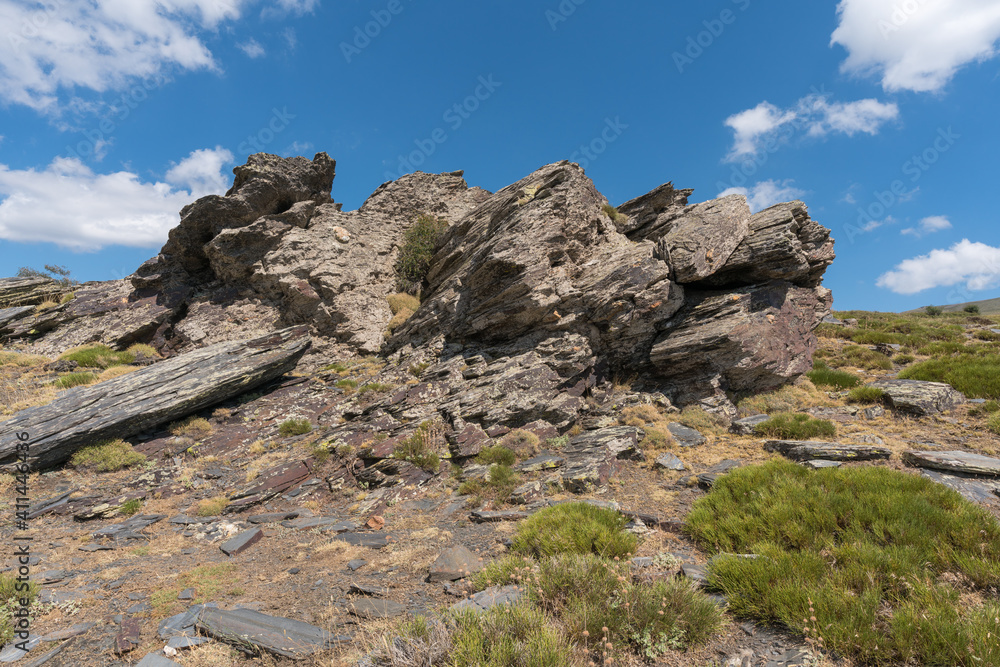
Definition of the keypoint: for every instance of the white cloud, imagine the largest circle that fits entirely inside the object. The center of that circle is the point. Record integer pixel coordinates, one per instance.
(766, 125)
(929, 225)
(297, 148)
(290, 38)
(68, 204)
(766, 193)
(975, 264)
(202, 171)
(916, 45)
(253, 49)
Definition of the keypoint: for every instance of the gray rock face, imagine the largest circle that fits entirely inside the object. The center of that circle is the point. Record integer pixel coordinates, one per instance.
(920, 398)
(670, 462)
(28, 291)
(491, 597)
(591, 457)
(748, 425)
(784, 243)
(279, 636)
(700, 239)
(686, 437)
(454, 563)
(151, 396)
(240, 543)
(963, 462)
(800, 450)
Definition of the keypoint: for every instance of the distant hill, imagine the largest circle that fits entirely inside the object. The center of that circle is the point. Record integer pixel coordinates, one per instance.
(987, 307)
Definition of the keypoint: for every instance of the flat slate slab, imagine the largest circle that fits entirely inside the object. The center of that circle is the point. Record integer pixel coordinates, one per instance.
(279, 636)
(963, 462)
(163, 392)
(130, 530)
(369, 608)
(540, 462)
(806, 450)
(240, 543)
(983, 490)
(918, 397)
(324, 524)
(670, 462)
(157, 660)
(491, 597)
(495, 517)
(748, 425)
(686, 437)
(370, 540)
(454, 563)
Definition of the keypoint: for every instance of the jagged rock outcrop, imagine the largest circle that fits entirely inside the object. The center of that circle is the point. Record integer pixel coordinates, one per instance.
(149, 397)
(28, 291)
(541, 292)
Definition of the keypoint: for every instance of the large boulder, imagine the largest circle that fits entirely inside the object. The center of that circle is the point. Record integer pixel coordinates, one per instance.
(920, 398)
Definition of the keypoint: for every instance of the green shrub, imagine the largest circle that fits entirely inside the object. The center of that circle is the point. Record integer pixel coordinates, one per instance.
(347, 385)
(497, 487)
(972, 309)
(861, 551)
(560, 441)
(988, 336)
(374, 388)
(574, 528)
(933, 311)
(130, 507)
(866, 395)
(613, 213)
(421, 448)
(824, 376)
(975, 375)
(904, 359)
(987, 408)
(790, 426)
(496, 454)
(993, 423)
(862, 357)
(419, 243)
(108, 456)
(71, 380)
(97, 356)
(294, 426)
(517, 636)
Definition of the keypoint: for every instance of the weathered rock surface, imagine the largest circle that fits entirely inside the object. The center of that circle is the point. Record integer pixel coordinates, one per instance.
(804, 450)
(748, 425)
(962, 462)
(454, 563)
(920, 398)
(491, 597)
(285, 637)
(28, 291)
(686, 437)
(151, 396)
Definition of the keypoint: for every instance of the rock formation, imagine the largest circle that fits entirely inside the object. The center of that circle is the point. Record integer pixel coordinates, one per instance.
(540, 292)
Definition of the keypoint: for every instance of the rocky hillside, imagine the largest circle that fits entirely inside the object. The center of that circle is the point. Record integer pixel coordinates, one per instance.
(257, 449)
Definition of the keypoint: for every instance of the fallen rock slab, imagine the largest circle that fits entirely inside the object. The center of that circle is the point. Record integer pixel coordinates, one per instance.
(918, 397)
(454, 563)
(495, 517)
(491, 597)
(149, 397)
(963, 462)
(799, 450)
(669, 462)
(686, 437)
(240, 543)
(156, 660)
(981, 490)
(372, 609)
(246, 629)
(748, 425)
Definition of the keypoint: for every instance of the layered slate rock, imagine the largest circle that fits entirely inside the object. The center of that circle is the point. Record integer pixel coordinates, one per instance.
(784, 243)
(591, 457)
(149, 397)
(454, 563)
(28, 291)
(493, 596)
(956, 461)
(918, 397)
(686, 437)
(279, 636)
(799, 450)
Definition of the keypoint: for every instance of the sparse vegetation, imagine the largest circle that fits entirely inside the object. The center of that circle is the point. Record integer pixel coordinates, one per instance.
(192, 427)
(789, 426)
(294, 426)
(374, 388)
(97, 356)
(993, 423)
(12, 593)
(613, 214)
(211, 506)
(574, 528)
(866, 395)
(975, 375)
(496, 488)
(861, 554)
(496, 454)
(419, 243)
(55, 272)
(824, 376)
(142, 350)
(421, 448)
(640, 415)
(523, 443)
(108, 456)
(130, 507)
(77, 379)
(933, 311)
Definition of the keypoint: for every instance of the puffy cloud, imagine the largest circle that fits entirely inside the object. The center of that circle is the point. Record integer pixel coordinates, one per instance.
(252, 49)
(68, 204)
(977, 265)
(766, 193)
(929, 225)
(916, 45)
(202, 171)
(814, 115)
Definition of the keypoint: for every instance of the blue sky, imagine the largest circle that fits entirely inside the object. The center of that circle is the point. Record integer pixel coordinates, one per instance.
(880, 114)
